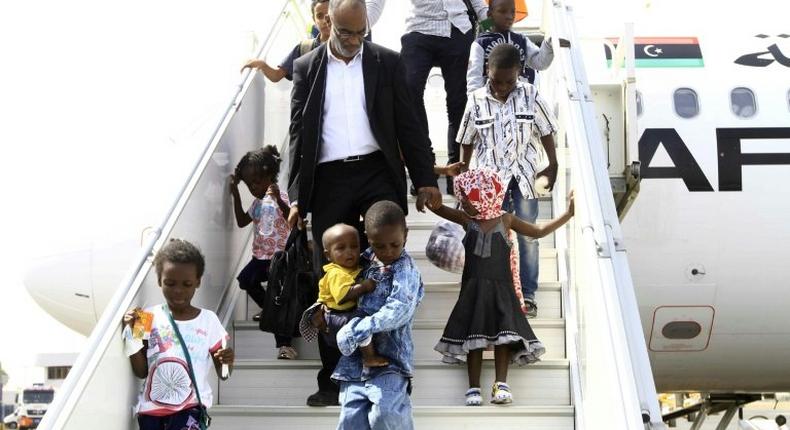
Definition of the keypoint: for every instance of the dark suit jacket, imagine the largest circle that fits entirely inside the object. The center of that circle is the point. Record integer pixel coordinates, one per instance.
(390, 113)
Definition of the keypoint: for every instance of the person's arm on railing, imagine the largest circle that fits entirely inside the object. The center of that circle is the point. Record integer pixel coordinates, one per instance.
(539, 230)
(274, 75)
(242, 218)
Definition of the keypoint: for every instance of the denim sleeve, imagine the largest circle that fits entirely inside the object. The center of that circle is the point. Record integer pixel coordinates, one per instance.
(396, 312)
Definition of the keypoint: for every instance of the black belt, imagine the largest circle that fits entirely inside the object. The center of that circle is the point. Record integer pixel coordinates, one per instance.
(354, 158)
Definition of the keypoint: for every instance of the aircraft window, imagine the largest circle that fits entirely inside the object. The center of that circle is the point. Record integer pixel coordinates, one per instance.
(686, 103)
(681, 330)
(639, 106)
(742, 102)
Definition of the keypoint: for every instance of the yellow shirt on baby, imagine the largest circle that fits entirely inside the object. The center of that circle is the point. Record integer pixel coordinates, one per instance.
(335, 284)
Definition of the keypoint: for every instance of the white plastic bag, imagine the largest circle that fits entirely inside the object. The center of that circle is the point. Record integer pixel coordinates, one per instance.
(445, 248)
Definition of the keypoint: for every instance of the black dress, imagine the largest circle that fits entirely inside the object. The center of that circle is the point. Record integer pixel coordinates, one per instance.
(487, 311)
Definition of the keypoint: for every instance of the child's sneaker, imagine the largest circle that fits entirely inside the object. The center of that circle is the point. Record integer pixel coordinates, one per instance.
(532, 308)
(500, 393)
(473, 397)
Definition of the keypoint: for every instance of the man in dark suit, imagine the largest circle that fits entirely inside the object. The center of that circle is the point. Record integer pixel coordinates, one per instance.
(352, 128)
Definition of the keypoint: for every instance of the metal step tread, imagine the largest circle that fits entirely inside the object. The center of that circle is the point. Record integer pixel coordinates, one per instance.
(424, 324)
(448, 199)
(251, 364)
(334, 411)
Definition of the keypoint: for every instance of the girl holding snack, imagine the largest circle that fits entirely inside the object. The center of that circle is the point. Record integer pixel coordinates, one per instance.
(184, 342)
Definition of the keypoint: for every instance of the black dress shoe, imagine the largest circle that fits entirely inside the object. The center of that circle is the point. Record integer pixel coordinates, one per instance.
(323, 398)
(257, 317)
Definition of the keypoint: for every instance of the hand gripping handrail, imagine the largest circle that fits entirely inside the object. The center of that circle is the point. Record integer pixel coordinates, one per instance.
(106, 329)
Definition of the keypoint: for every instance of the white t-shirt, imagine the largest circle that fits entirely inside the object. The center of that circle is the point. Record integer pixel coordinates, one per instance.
(168, 388)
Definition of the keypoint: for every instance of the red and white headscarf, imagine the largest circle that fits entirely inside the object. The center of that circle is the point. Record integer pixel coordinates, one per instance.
(483, 189)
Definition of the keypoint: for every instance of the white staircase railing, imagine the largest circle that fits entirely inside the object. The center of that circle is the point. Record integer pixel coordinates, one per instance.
(612, 383)
(101, 389)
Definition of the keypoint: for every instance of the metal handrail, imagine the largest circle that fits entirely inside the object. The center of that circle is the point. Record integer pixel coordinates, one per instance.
(106, 328)
(600, 229)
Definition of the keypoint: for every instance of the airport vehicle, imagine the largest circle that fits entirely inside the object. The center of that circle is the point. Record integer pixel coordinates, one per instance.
(32, 403)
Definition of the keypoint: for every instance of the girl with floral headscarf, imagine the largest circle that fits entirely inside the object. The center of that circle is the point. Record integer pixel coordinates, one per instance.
(488, 311)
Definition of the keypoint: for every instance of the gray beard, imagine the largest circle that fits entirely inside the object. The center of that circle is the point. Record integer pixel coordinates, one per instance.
(335, 44)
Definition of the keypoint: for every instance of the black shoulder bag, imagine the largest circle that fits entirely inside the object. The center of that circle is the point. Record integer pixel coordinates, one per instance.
(292, 287)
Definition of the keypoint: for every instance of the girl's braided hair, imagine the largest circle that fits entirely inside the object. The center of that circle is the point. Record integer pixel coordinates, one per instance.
(265, 163)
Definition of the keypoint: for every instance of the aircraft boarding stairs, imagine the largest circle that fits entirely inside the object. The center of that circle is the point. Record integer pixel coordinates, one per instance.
(595, 373)
(266, 390)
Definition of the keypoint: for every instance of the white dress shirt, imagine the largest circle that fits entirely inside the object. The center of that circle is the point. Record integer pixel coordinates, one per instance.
(346, 130)
(437, 17)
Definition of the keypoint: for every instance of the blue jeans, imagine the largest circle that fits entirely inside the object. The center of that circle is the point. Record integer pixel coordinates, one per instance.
(527, 210)
(381, 403)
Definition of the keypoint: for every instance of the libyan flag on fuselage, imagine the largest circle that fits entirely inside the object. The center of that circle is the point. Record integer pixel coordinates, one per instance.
(662, 52)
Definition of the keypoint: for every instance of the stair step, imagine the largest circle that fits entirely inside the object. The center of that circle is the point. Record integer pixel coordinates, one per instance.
(251, 343)
(289, 382)
(433, 417)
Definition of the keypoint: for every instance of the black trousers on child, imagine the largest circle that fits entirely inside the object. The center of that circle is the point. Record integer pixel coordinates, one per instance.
(343, 193)
(421, 52)
(183, 420)
(251, 280)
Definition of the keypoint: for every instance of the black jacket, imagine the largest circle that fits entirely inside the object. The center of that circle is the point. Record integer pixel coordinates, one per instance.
(390, 113)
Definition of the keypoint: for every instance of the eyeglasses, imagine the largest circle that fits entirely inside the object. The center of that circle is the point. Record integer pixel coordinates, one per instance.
(346, 34)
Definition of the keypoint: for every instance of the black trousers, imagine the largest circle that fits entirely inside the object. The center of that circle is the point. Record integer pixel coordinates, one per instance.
(343, 192)
(421, 52)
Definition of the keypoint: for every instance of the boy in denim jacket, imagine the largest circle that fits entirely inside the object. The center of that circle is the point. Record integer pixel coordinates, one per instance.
(391, 307)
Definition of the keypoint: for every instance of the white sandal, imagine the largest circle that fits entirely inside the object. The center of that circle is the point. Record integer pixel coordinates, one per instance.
(474, 397)
(500, 394)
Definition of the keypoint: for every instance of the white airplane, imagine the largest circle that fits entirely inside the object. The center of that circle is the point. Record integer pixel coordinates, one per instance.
(707, 233)
(707, 236)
